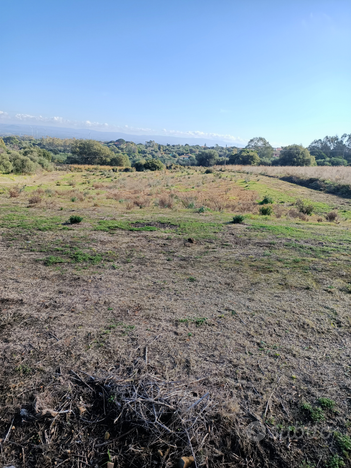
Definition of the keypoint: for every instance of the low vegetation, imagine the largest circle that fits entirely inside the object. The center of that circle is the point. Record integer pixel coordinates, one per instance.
(188, 312)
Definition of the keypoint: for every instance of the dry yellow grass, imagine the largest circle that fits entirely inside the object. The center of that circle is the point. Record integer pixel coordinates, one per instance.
(339, 174)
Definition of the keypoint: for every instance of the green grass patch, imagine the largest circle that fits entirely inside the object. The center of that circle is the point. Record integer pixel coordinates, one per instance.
(110, 225)
(34, 223)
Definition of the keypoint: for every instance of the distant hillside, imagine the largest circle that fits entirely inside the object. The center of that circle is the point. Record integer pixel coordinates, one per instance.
(39, 131)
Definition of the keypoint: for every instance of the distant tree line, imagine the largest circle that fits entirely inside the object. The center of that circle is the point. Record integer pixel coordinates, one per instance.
(26, 154)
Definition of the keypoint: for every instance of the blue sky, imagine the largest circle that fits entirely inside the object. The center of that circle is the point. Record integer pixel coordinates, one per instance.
(225, 69)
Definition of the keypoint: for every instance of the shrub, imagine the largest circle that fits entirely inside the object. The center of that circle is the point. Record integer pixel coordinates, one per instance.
(22, 164)
(267, 200)
(344, 441)
(75, 219)
(14, 192)
(266, 210)
(154, 165)
(332, 216)
(336, 462)
(326, 403)
(5, 164)
(303, 217)
(139, 166)
(165, 202)
(304, 207)
(209, 171)
(34, 199)
(238, 219)
(316, 414)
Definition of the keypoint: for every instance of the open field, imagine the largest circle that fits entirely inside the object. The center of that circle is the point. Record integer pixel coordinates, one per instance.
(156, 328)
(339, 174)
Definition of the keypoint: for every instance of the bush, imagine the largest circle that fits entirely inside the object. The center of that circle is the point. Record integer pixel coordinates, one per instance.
(336, 462)
(154, 165)
(209, 171)
(34, 199)
(238, 219)
(14, 192)
(246, 157)
(266, 200)
(75, 219)
(5, 164)
(344, 441)
(266, 210)
(304, 207)
(22, 164)
(139, 166)
(332, 216)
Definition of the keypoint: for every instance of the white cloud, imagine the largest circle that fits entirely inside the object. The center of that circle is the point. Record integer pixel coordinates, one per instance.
(62, 122)
(199, 134)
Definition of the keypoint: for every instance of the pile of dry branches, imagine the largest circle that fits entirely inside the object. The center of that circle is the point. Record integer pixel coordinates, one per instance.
(129, 419)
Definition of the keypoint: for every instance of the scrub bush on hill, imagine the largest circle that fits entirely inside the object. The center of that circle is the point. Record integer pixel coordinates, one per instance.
(151, 165)
(5, 164)
(94, 153)
(26, 161)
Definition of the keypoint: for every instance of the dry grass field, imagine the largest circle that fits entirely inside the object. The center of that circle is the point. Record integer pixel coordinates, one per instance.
(339, 174)
(156, 328)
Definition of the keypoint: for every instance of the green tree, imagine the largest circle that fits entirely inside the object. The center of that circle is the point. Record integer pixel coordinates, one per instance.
(91, 152)
(139, 165)
(5, 164)
(22, 164)
(261, 146)
(120, 159)
(246, 157)
(2, 144)
(207, 158)
(11, 140)
(154, 165)
(296, 155)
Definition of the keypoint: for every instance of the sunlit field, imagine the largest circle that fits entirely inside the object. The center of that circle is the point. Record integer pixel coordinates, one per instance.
(339, 174)
(151, 316)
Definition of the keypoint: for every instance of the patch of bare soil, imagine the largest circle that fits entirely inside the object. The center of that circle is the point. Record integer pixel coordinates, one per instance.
(169, 351)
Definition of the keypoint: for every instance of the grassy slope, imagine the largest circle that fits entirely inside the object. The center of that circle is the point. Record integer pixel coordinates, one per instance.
(261, 309)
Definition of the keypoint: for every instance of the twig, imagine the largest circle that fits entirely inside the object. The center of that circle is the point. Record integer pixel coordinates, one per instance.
(64, 461)
(197, 402)
(191, 447)
(8, 432)
(81, 380)
(269, 399)
(145, 355)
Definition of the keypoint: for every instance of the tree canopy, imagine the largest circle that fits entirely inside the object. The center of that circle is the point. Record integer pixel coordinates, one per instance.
(332, 150)
(90, 152)
(296, 155)
(153, 165)
(207, 158)
(245, 156)
(261, 146)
